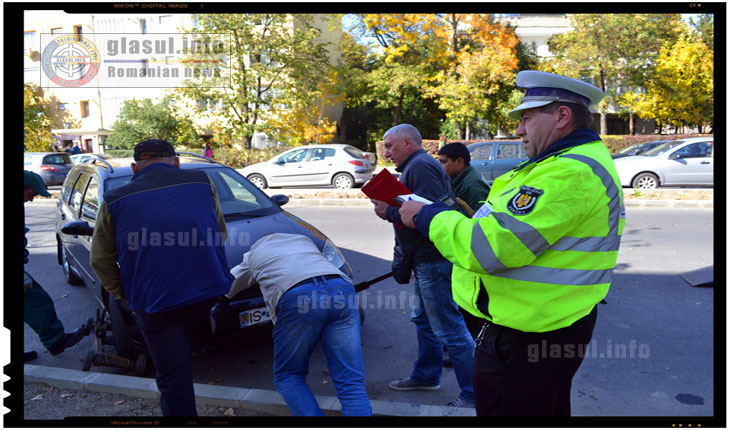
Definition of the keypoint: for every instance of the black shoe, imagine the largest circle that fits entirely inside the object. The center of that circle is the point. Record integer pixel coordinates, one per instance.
(29, 355)
(446, 361)
(75, 336)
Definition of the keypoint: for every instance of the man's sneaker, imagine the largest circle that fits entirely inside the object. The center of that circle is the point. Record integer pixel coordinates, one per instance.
(29, 355)
(407, 384)
(459, 403)
(75, 336)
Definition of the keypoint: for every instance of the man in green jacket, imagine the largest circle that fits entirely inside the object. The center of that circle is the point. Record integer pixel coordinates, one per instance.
(469, 184)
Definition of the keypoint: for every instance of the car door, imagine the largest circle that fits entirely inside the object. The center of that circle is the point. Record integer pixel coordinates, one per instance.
(290, 168)
(71, 212)
(481, 159)
(691, 165)
(89, 210)
(507, 156)
(320, 165)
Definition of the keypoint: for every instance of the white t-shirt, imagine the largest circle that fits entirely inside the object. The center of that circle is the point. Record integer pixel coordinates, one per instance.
(277, 262)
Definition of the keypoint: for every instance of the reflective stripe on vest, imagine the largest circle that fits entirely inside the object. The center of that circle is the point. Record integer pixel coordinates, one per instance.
(536, 243)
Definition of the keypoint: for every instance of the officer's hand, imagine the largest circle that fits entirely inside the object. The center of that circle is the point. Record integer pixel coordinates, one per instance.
(408, 211)
(380, 208)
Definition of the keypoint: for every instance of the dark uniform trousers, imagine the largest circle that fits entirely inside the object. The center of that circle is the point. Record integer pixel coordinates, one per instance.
(519, 373)
(170, 336)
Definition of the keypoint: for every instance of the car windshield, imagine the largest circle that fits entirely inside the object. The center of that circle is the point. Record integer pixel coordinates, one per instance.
(237, 196)
(662, 148)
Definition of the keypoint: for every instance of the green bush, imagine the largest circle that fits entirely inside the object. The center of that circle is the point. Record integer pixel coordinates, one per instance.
(240, 158)
(120, 153)
(615, 143)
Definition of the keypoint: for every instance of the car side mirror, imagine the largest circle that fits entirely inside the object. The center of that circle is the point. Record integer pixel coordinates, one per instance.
(77, 228)
(280, 199)
(279, 162)
(675, 156)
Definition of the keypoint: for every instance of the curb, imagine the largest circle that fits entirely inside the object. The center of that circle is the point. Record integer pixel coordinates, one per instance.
(252, 399)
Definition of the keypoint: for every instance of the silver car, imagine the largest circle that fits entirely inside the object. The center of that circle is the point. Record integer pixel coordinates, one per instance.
(677, 162)
(342, 166)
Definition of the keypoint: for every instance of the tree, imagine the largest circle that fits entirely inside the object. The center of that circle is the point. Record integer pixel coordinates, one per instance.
(36, 121)
(615, 51)
(277, 67)
(140, 120)
(681, 89)
(369, 100)
(410, 52)
(480, 70)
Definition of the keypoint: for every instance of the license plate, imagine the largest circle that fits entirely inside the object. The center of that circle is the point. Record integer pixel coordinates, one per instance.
(254, 317)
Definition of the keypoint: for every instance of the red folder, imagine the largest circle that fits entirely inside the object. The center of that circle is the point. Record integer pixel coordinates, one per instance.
(385, 187)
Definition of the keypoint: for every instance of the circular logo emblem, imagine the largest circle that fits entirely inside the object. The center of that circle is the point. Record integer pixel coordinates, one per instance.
(70, 61)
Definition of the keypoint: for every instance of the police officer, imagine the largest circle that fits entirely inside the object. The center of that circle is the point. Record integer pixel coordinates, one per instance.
(537, 260)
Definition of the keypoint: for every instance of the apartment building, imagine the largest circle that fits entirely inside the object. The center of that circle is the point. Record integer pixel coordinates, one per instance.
(85, 113)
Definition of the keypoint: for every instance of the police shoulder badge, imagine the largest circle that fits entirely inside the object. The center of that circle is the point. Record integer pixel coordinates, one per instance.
(524, 201)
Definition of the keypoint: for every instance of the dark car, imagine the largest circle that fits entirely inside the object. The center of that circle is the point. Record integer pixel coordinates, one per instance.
(637, 149)
(249, 214)
(495, 158)
(52, 166)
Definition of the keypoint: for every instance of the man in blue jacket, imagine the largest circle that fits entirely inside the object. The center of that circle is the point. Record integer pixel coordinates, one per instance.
(437, 318)
(171, 284)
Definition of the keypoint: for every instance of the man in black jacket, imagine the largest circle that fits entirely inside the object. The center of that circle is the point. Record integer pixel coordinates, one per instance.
(436, 315)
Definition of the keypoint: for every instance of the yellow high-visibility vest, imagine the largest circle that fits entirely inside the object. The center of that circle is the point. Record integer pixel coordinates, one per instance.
(544, 256)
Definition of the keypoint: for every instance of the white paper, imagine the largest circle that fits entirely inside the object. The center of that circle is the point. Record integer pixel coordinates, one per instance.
(412, 197)
(483, 211)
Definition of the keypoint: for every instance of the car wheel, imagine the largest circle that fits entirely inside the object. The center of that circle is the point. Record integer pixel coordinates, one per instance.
(68, 274)
(257, 180)
(645, 181)
(120, 333)
(343, 181)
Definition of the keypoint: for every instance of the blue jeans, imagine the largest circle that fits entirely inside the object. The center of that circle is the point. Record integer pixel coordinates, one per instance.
(438, 323)
(323, 310)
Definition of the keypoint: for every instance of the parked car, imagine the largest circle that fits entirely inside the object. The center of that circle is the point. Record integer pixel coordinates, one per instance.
(493, 159)
(82, 158)
(52, 166)
(249, 214)
(637, 149)
(339, 165)
(677, 162)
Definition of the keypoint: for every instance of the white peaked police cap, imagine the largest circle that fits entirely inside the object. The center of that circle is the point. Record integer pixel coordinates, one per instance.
(544, 88)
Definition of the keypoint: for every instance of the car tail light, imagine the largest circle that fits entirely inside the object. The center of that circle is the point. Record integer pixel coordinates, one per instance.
(356, 162)
(47, 168)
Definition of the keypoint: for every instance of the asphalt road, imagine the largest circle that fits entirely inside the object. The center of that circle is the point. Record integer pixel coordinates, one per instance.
(651, 353)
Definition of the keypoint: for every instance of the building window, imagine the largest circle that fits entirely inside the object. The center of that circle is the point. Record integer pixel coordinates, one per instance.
(28, 42)
(57, 30)
(85, 109)
(165, 19)
(62, 106)
(143, 26)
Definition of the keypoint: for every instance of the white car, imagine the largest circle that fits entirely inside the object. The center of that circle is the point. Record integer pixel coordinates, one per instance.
(342, 166)
(677, 162)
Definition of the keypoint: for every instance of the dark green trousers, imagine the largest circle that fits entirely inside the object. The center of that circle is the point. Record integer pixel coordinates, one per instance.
(40, 314)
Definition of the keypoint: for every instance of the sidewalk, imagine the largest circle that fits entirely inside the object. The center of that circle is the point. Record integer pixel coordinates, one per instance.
(249, 399)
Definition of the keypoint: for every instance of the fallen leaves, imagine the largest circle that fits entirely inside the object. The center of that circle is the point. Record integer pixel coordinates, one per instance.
(229, 412)
(38, 397)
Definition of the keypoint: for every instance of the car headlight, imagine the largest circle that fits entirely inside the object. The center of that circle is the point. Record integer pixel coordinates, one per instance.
(334, 255)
